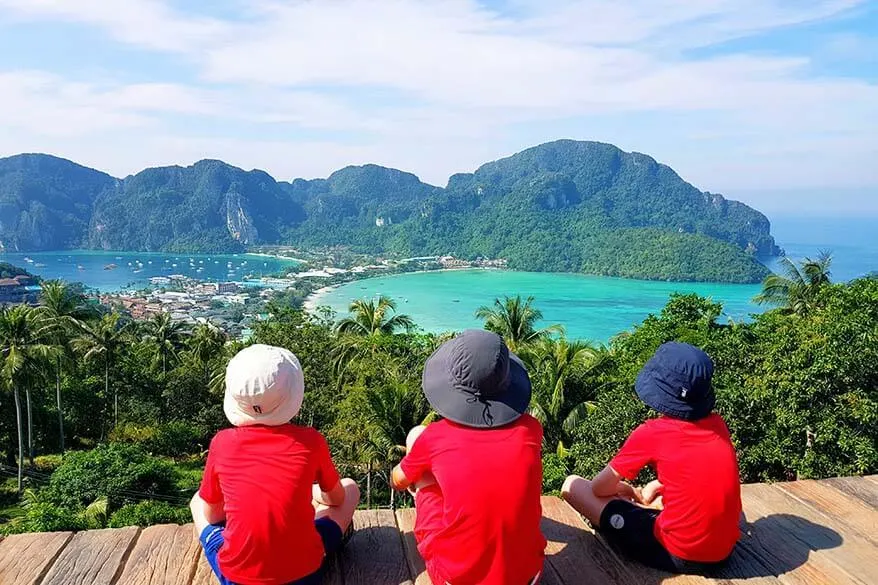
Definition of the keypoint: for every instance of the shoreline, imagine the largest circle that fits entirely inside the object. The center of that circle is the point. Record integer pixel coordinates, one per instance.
(277, 257)
(312, 301)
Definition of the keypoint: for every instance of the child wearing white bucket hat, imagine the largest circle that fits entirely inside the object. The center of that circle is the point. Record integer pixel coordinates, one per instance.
(271, 506)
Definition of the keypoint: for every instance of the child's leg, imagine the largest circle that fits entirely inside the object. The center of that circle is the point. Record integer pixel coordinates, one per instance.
(344, 514)
(577, 492)
(427, 479)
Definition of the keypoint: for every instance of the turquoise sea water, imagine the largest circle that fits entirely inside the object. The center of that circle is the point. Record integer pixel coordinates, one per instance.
(597, 308)
(589, 307)
(134, 269)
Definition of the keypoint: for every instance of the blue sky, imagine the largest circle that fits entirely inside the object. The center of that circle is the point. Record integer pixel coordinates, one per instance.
(774, 102)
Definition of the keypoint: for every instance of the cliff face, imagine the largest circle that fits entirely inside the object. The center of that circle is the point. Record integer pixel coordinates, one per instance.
(239, 222)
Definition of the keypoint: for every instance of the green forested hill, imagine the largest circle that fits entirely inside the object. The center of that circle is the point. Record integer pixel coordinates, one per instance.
(46, 202)
(561, 206)
(208, 207)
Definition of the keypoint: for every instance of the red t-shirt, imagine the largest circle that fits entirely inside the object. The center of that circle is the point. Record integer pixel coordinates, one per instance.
(481, 524)
(263, 477)
(696, 463)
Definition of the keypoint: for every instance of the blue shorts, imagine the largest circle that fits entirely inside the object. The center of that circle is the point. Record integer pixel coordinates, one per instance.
(330, 533)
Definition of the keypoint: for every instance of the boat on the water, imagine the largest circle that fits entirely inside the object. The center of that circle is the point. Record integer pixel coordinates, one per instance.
(28, 260)
(110, 267)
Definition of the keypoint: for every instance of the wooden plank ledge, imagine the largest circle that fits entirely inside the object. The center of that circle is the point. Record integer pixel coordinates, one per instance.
(799, 533)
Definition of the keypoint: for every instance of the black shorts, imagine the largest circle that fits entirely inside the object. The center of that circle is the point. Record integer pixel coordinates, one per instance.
(629, 529)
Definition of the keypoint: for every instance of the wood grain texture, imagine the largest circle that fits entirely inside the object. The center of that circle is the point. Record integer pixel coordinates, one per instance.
(163, 555)
(799, 545)
(374, 554)
(574, 555)
(25, 558)
(853, 513)
(405, 520)
(94, 557)
(203, 573)
(857, 487)
(802, 533)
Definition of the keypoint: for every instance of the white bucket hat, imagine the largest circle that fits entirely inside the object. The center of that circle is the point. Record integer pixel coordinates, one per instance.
(264, 386)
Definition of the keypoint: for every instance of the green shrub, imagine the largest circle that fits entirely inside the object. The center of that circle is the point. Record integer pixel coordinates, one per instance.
(173, 439)
(149, 512)
(122, 473)
(47, 463)
(554, 473)
(44, 517)
(176, 439)
(132, 433)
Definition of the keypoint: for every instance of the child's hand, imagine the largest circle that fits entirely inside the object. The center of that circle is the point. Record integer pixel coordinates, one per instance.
(629, 492)
(651, 491)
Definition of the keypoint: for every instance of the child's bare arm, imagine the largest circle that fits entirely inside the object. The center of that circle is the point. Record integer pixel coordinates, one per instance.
(205, 514)
(333, 498)
(608, 484)
(398, 480)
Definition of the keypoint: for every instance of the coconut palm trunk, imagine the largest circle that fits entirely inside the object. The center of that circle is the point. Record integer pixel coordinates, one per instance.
(30, 427)
(58, 401)
(115, 394)
(369, 486)
(20, 439)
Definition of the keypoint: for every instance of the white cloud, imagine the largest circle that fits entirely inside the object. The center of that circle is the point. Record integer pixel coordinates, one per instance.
(290, 87)
(146, 23)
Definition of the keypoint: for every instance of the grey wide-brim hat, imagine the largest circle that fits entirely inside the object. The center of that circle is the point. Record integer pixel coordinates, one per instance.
(475, 381)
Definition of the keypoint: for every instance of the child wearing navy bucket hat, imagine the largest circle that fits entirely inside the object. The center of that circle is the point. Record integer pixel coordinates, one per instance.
(687, 520)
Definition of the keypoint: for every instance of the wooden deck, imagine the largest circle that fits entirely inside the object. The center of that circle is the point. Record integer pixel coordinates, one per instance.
(801, 533)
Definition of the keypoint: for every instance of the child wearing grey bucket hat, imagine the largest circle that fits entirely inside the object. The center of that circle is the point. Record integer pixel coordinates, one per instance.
(477, 473)
(687, 520)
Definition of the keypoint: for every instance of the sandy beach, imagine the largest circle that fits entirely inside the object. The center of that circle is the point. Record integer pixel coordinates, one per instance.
(278, 257)
(313, 300)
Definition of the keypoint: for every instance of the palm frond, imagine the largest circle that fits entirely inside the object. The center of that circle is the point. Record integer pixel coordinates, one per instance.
(577, 415)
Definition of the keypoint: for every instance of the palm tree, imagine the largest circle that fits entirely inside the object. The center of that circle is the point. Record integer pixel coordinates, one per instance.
(393, 407)
(23, 353)
(550, 362)
(166, 336)
(205, 343)
(62, 309)
(102, 341)
(515, 320)
(371, 318)
(797, 289)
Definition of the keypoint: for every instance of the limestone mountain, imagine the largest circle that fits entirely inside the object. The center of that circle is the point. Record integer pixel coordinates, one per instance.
(562, 206)
(46, 202)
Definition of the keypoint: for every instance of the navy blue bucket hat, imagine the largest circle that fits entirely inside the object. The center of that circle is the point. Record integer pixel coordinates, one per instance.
(475, 381)
(676, 381)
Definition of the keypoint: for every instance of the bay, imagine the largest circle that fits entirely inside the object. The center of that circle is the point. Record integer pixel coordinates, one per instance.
(589, 307)
(597, 308)
(134, 269)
